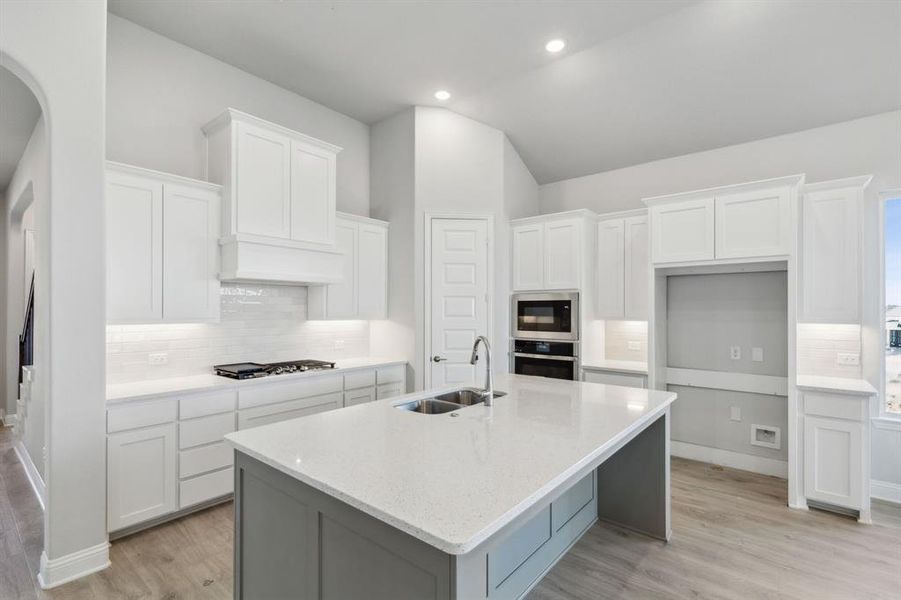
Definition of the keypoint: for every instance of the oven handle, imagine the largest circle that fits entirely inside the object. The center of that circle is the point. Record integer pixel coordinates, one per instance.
(547, 356)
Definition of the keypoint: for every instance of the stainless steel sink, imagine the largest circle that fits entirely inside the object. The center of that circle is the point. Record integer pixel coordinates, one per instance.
(429, 406)
(467, 396)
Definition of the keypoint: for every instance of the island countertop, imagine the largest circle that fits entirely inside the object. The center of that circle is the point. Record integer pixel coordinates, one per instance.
(453, 481)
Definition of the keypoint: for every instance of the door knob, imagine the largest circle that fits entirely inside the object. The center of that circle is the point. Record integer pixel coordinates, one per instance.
(437, 358)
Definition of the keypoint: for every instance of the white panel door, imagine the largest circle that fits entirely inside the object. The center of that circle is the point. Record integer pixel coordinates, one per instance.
(750, 224)
(312, 194)
(142, 475)
(637, 265)
(263, 182)
(611, 269)
(459, 298)
(134, 238)
(682, 231)
(341, 298)
(372, 272)
(830, 289)
(832, 461)
(528, 261)
(562, 254)
(190, 253)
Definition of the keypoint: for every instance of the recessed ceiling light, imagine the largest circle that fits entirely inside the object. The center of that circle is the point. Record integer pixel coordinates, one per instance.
(442, 94)
(555, 46)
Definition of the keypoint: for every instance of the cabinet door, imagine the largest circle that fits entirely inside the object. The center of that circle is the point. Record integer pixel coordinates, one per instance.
(359, 396)
(141, 468)
(134, 224)
(263, 182)
(528, 261)
(682, 231)
(190, 254)
(389, 390)
(750, 224)
(372, 272)
(830, 288)
(636, 277)
(611, 269)
(562, 254)
(312, 194)
(833, 467)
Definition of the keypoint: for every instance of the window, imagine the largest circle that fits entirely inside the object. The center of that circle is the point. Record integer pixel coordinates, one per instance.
(893, 306)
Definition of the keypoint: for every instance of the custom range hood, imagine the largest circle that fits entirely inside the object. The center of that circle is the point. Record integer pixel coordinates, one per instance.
(278, 201)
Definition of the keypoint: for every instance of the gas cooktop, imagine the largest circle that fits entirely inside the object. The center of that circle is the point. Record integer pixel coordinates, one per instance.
(250, 370)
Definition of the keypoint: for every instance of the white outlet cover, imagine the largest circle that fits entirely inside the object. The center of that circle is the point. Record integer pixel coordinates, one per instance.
(339, 344)
(158, 358)
(634, 346)
(735, 352)
(735, 413)
(757, 354)
(851, 359)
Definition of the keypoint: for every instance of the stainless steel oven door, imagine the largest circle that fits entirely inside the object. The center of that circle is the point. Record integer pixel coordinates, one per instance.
(545, 316)
(543, 365)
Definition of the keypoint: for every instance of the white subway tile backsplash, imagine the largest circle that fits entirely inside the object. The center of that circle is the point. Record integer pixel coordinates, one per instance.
(617, 336)
(819, 345)
(263, 323)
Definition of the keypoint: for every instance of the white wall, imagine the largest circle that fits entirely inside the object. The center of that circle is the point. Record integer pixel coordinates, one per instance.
(160, 93)
(36, 40)
(864, 146)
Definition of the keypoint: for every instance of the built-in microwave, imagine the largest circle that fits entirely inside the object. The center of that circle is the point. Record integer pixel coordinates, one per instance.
(545, 316)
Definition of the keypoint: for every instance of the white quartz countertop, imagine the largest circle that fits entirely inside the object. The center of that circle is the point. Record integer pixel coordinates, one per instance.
(198, 383)
(619, 366)
(450, 481)
(835, 384)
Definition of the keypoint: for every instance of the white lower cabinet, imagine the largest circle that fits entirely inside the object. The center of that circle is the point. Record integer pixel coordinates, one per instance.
(141, 467)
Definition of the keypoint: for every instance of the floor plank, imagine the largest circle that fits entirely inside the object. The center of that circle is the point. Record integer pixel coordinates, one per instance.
(733, 538)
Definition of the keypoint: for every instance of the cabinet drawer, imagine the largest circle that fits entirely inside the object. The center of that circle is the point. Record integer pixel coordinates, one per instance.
(205, 430)
(201, 405)
(206, 458)
(359, 379)
(392, 374)
(389, 390)
(836, 406)
(205, 487)
(272, 393)
(361, 396)
(264, 415)
(143, 414)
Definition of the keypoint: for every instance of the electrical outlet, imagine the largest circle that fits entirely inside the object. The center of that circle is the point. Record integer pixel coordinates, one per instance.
(634, 345)
(757, 354)
(735, 352)
(848, 359)
(339, 344)
(158, 358)
(735, 413)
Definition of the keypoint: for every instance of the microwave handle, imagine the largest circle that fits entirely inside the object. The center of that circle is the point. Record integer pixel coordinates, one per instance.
(547, 356)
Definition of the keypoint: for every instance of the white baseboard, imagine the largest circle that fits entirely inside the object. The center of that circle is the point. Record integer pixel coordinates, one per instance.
(884, 490)
(34, 476)
(727, 458)
(57, 571)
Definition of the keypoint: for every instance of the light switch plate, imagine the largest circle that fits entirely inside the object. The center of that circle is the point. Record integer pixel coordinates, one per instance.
(735, 352)
(848, 359)
(757, 354)
(735, 413)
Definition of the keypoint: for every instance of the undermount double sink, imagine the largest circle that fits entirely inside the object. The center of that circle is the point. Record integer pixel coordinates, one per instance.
(448, 402)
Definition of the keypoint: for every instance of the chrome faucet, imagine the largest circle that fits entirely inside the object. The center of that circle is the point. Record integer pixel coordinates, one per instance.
(489, 379)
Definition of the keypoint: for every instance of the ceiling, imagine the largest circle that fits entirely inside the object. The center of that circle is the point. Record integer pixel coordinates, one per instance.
(638, 81)
(19, 112)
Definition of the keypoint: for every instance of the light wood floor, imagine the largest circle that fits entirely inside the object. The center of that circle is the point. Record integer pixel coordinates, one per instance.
(733, 537)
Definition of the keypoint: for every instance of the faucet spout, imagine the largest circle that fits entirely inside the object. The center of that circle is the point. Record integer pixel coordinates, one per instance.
(489, 378)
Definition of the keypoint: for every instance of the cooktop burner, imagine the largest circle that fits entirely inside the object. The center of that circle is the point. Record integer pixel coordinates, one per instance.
(250, 370)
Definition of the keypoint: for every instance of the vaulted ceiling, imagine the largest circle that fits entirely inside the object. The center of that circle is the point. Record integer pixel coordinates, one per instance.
(638, 81)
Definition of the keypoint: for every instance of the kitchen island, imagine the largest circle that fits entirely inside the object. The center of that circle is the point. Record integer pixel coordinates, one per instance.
(377, 502)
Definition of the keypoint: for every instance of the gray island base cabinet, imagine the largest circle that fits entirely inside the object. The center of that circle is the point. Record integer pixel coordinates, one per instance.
(294, 541)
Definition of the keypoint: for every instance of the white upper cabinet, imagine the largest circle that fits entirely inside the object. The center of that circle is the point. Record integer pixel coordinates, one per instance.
(637, 265)
(363, 292)
(682, 231)
(831, 250)
(528, 262)
(162, 247)
(278, 203)
(548, 251)
(736, 222)
(611, 269)
(263, 180)
(753, 223)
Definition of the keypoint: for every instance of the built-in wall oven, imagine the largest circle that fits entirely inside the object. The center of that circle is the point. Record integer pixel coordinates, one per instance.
(545, 316)
(559, 360)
